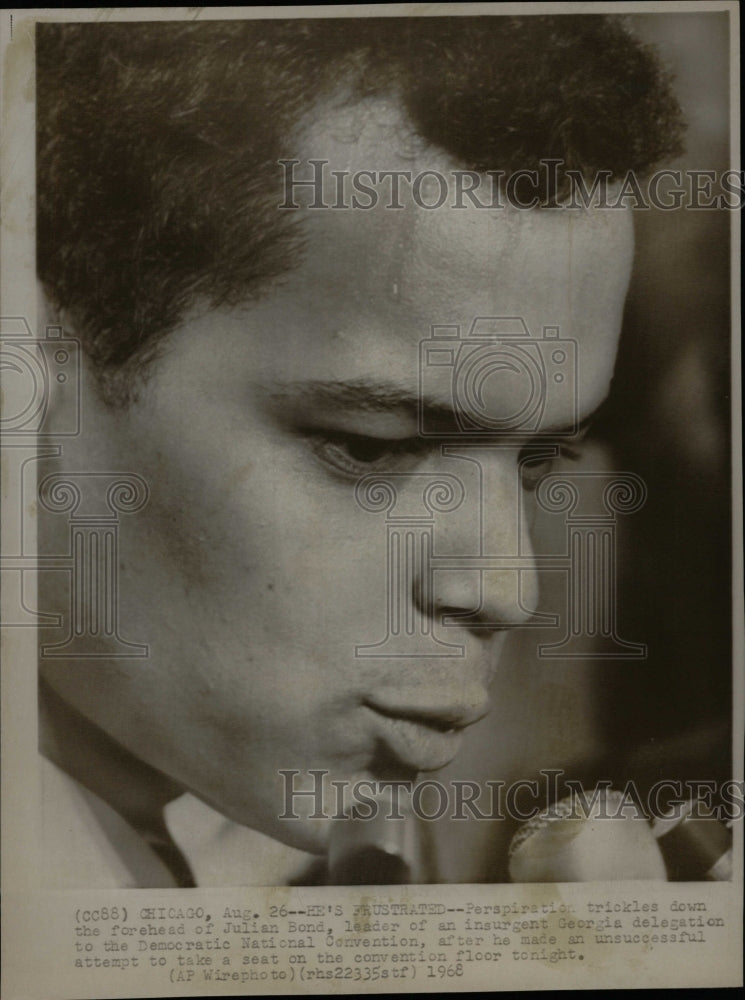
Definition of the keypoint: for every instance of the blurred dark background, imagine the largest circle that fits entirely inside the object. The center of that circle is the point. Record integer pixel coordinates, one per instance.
(670, 423)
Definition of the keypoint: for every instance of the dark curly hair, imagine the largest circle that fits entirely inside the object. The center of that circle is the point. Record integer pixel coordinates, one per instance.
(158, 142)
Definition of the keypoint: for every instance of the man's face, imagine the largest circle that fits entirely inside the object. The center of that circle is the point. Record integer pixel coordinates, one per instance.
(253, 573)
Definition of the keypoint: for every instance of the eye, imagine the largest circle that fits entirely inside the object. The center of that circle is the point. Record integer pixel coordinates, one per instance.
(535, 463)
(353, 455)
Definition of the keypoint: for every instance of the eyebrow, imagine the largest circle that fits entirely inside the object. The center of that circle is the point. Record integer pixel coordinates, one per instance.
(355, 394)
(366, 396)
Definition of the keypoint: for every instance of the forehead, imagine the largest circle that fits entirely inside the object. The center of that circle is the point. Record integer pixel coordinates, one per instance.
(392, 273)
(373, 282)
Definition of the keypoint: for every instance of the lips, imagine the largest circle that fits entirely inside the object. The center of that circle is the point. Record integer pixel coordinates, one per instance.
(423, 737)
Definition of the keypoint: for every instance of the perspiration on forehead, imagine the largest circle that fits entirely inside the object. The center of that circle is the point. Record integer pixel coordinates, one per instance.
(503, 257)
(159, 187)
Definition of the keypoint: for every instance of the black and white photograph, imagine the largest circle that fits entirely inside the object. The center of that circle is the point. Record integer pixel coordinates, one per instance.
(371, 566)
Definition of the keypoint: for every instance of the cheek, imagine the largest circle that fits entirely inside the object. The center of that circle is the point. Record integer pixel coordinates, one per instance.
(246, 555)
(263, 575)
(204, 517)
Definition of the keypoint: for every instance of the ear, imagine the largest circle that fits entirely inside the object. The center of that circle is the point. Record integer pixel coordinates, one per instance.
(75, 421)
(60, 361)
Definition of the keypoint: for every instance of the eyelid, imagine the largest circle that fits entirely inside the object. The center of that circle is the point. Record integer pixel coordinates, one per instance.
(328, 445)
(529, 464)
(391, 450)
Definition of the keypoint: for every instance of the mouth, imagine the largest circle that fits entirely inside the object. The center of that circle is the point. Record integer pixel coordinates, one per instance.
(423, 738)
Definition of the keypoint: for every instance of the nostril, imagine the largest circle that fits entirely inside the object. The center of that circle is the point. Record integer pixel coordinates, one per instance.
(467, 611)
(478, 622)
(476, 619)
(473, 600)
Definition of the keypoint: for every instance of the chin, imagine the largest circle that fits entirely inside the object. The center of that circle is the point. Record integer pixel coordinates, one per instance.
(311, 836)
(302, 833)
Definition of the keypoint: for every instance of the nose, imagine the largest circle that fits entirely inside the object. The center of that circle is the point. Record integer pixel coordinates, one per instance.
(483, 575)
